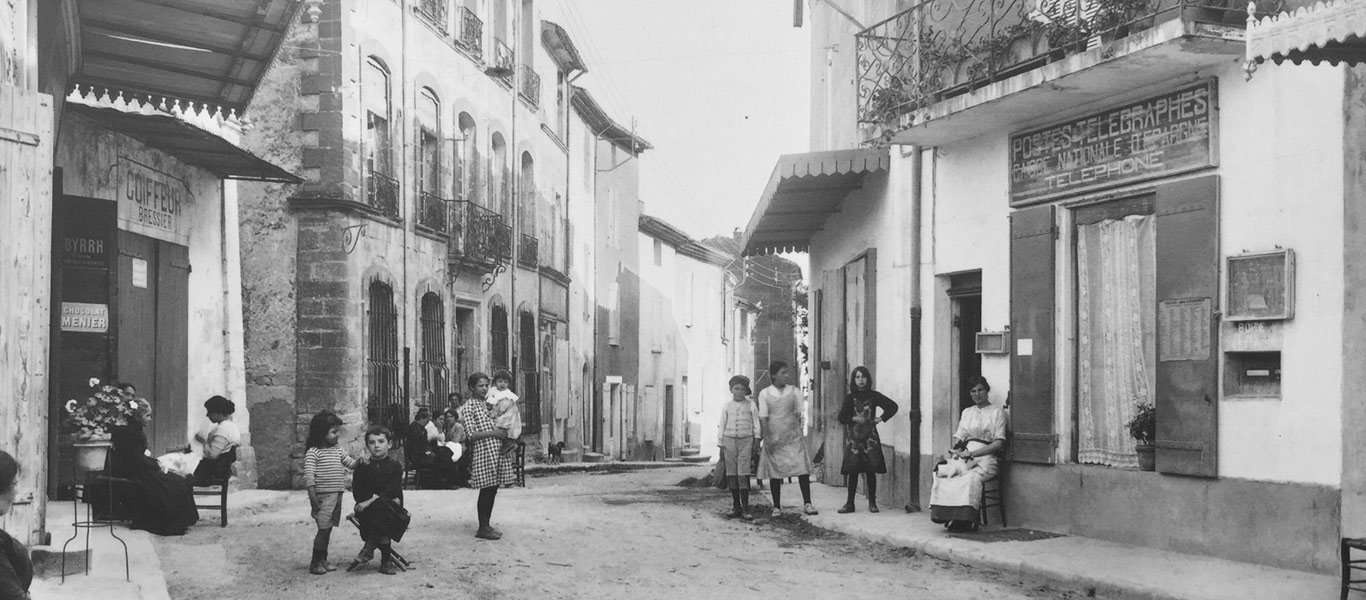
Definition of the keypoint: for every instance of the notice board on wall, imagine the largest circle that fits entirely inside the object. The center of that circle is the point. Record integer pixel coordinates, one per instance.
(1155, 137)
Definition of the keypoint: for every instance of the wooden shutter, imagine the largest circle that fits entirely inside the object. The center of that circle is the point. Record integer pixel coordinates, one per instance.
(1187, 338)
(25, 300)
(172, 346)
(833, 371)
(1033, 245)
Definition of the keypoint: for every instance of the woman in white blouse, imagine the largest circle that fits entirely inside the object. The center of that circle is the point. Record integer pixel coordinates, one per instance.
(956, 497)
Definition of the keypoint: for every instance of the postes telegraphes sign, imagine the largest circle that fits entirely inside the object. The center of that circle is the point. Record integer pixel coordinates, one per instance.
(1163, 135)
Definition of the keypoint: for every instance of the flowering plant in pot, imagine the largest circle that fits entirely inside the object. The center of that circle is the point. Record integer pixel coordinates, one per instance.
(106, 407)
(1143, 428)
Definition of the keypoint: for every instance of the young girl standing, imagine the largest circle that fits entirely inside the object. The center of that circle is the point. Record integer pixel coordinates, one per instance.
(736, 435)
(325, 466)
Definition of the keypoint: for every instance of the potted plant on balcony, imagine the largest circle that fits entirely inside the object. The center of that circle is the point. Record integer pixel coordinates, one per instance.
(1143, 428)
(91, 419)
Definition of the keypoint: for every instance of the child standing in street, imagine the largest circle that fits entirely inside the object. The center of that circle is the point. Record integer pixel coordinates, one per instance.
(325, 466)
(504, 412)
(738, 432)
(378, 480)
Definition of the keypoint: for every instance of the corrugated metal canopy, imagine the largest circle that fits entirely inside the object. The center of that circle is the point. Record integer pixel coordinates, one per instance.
(188, 143)
(804, 190)
(1310, 31)
(213, 52)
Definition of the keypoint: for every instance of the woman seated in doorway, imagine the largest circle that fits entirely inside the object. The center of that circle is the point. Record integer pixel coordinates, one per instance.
(956, 497)
(162, 503)
(219, 439)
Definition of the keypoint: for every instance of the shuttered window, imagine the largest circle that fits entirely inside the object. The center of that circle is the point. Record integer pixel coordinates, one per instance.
(531, 389)
(498, 337)
(1032, 253)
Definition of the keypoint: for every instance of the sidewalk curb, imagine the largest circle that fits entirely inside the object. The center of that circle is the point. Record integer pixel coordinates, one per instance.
(957, 552)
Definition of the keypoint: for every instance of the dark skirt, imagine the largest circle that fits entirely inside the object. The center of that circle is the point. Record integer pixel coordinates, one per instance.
(862, 450)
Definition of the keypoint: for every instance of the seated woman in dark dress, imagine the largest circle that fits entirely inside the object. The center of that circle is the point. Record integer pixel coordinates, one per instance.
(162, 503)
(16, 569)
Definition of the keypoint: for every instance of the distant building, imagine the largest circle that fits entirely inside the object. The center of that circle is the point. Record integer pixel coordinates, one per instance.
(769, 283)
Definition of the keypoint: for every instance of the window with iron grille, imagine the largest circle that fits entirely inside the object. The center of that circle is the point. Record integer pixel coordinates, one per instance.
(531, 397)
(384, 392)
(435, 374)
(498, 338)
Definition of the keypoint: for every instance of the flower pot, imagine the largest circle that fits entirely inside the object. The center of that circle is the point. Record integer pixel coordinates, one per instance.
(1147, 457)
(91, 454)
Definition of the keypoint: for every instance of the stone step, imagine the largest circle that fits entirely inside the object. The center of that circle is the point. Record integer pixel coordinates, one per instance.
(696, 459)
(592, 457)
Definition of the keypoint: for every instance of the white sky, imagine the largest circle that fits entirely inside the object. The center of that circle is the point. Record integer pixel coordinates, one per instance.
(719, 87)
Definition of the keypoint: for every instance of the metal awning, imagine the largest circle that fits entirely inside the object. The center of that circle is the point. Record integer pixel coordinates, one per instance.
(211, 52)
(187, 142)
(804, 190)
(1306, 30)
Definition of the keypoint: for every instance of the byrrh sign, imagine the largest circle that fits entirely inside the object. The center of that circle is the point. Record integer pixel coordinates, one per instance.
(1163, 135)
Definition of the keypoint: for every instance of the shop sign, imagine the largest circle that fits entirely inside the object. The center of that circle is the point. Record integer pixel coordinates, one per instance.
(82, 251)
(1160, 136)
(153, 203)
(85, 318)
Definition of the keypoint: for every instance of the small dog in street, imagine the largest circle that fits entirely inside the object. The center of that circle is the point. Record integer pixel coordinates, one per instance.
(556, 453)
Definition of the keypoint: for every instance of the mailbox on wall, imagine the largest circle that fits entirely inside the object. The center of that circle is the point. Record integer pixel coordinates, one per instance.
(993, 342)
(1261, 287)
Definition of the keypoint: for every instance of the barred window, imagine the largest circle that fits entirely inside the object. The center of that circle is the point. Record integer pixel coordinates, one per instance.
(464, 345)
(384, 392)
(435, 374)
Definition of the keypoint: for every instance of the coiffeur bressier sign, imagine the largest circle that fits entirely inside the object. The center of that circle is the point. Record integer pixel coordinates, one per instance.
(152, 202)
(1160, 136)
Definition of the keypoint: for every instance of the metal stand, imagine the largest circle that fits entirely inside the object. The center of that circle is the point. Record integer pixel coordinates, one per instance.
(80, 491)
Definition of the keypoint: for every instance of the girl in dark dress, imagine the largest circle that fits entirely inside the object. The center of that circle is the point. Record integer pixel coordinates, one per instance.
(862, 446)
(162, 503)
(16, 570)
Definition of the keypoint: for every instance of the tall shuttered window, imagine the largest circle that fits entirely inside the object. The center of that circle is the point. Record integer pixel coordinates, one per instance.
(435, 374)
(531, 388)
(498, 337)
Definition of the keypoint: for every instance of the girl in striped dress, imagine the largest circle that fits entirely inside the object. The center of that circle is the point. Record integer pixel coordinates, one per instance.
(325, 466)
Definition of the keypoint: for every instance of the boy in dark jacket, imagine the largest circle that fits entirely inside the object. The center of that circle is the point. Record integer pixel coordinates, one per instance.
(377, 480)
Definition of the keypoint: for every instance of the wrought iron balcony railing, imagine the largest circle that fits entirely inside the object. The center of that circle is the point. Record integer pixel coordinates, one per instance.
(938, 49)
(435, 12)
(503, 60)
(474, 233)
(529, 251)
(471, 37)
(432, 212)
(531, 86)
(381, 193)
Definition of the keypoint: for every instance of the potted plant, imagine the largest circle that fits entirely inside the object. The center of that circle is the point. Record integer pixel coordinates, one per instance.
(1143, 428)
(91, 419)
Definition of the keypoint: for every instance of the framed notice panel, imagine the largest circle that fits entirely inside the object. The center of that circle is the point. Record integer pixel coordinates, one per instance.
(1261, 287)
(1156, 137)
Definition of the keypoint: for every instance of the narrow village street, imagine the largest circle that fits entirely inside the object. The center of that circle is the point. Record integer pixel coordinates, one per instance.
(581, 535)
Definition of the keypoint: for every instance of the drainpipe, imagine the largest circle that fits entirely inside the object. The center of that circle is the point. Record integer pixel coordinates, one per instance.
(917, 175)
(405, 209)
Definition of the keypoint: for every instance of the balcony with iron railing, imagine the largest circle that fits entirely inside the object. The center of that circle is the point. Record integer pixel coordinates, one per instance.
(381, 193)
(993, 64)
(504, 61)
(471, 36)
(529, 251)
(435, 12)
(432, 212)
(504, 240)
(531, 86)
(474, 235)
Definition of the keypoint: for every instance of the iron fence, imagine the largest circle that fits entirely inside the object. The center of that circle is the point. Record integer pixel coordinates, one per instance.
(381, 193)
(435, 12)
(531, 86)
(471, 37)
(433, 213)
(529, 251)
(938, 49)
(504, 240)
(503, 60)
(474, 233)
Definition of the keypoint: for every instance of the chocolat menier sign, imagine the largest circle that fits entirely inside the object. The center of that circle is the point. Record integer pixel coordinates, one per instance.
(1159, 136)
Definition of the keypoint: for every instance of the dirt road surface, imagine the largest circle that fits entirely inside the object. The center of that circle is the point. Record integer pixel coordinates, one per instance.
(634, 535)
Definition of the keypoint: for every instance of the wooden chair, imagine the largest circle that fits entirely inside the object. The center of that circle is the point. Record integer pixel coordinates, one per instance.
(1349, 565)
(519, 465)
(211, 480)
(994, 494)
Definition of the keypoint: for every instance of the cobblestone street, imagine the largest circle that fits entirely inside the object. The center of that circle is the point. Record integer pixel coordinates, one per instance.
(584, 535)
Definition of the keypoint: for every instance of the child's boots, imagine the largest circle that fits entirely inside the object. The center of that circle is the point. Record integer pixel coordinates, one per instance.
(318, 566)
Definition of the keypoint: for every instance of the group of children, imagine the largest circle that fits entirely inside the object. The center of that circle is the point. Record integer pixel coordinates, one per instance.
(377, 483)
